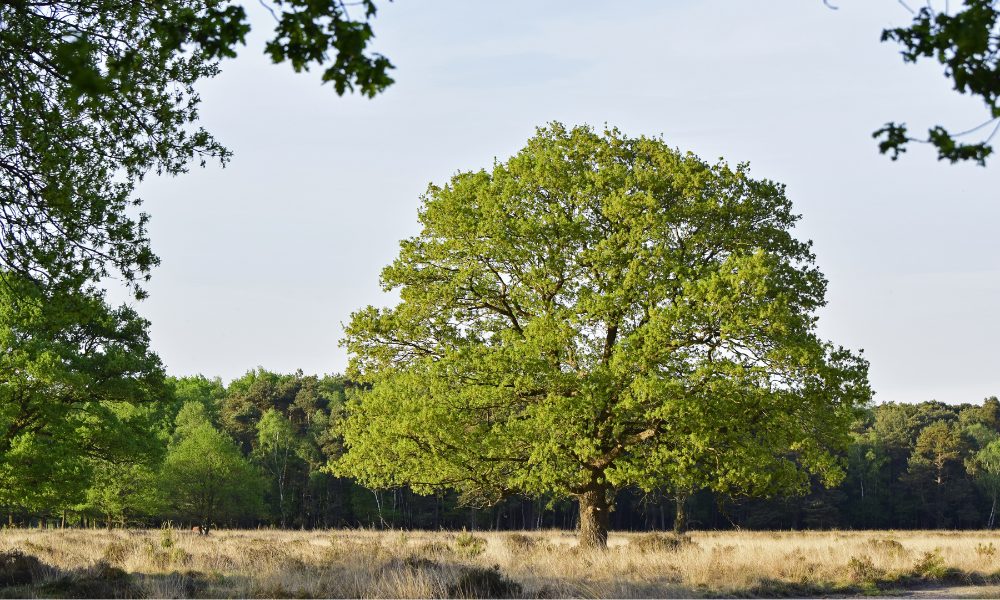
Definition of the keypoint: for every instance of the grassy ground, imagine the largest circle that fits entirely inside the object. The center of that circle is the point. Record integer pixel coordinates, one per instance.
(372, 564)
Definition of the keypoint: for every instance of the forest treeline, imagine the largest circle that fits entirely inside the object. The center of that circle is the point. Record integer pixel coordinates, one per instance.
(254, 454)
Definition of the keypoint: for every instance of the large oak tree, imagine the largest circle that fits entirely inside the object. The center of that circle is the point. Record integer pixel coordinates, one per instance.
(600, 311)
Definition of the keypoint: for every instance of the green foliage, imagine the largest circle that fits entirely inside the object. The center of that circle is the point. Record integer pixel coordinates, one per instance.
(198, 388)
(967, 43)
(98, 93)
(77, 383)
(984, 466)
(120, 491)
(308, 31)
(863, 571)
(166, 537)
(277, 450)
(467, 544)
(595, 313)
(938, 445)
(206, 479)
(931, 566)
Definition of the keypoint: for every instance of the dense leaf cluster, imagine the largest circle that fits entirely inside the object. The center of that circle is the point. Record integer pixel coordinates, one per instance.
(78, 386)
(595, 313)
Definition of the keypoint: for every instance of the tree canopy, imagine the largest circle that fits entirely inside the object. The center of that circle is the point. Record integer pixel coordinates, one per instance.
(204, 477)
(96, 94)
(78, 383)
(597, 312)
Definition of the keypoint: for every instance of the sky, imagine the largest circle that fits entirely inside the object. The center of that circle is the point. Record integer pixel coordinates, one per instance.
(263, 261)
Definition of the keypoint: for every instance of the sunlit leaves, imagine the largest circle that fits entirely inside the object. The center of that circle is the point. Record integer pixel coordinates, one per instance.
(600, 311)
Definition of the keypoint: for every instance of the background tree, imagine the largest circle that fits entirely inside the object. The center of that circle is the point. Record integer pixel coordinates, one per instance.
(967, 43)
(206, 479)
(984, 466)
(95, 94)
(277, 449)
(935, 464)
(583, 317)
(77, 382)
(121, 492)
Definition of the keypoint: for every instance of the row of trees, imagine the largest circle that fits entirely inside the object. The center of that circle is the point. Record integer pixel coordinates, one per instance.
(254, 453)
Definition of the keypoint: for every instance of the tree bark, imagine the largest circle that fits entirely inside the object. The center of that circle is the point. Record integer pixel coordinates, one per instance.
(595, 518)
(681, 517)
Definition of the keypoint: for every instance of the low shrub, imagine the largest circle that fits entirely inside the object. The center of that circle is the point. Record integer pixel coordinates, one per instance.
(931, 566)
(434, 549)
(117, 551)
(481, 582)
(887, 546)
(519, 542)
(660, 542)
(469, 545)
(863, 571)
(166, 537)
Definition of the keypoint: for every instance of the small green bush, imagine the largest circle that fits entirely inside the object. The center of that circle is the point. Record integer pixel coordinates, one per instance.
(931, 566)
(469, 545)
(863, 571)
(166, 537)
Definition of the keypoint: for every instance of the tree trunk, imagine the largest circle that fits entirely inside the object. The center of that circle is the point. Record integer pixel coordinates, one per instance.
(595, 518)
(680, 517)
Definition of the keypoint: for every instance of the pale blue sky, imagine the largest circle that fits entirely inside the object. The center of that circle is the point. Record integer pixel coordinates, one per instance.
(265, 259)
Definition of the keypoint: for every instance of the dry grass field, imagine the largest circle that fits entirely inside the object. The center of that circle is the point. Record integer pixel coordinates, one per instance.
(378, 564)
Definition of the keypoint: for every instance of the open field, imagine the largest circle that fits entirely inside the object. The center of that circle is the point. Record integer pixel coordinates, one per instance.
(376, 564)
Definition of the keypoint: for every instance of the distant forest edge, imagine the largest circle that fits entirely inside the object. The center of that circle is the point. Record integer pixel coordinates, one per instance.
(254, 454)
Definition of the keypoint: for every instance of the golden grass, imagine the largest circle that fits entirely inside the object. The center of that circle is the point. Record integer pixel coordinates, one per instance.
(378, 564)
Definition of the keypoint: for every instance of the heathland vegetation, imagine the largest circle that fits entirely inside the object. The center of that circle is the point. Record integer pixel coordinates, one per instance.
(168, 563)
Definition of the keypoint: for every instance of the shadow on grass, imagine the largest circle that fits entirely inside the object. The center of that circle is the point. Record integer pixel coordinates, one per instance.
(23, 575)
